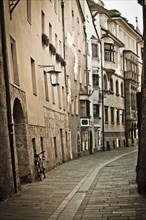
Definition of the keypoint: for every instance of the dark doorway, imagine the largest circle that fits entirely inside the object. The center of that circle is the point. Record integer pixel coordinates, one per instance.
(91, 147)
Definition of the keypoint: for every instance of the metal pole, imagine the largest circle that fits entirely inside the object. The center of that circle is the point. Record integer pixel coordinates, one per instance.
(102, 97)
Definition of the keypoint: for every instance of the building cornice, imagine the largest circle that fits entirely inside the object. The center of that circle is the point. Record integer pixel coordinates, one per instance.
(130, 26)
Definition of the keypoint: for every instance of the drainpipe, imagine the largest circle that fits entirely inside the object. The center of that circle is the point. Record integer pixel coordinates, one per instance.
(102, 88)
(8, 98)
(63, 28)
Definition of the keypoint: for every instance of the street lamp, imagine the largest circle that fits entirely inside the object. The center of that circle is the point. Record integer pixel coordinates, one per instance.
(53, 74)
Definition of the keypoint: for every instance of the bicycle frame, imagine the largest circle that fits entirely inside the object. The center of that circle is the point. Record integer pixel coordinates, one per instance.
(39, 166)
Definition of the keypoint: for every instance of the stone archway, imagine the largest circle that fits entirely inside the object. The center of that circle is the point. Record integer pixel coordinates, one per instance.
(22, 160)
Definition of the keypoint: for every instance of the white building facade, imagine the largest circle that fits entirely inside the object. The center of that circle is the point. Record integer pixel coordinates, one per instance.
(94, 79)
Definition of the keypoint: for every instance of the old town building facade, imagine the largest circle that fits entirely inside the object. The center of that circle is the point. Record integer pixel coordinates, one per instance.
(76, 71)
(91, 107)
(92, 95)
(121, 44)
(38, 109)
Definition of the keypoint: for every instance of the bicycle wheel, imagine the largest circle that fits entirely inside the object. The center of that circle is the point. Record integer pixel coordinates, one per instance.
(39, 171)
(43, 172)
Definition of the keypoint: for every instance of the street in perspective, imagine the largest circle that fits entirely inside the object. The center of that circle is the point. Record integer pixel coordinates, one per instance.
(72, 110)
(101, 186)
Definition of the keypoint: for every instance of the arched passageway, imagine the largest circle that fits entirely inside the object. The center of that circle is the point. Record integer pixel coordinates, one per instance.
(21, 152)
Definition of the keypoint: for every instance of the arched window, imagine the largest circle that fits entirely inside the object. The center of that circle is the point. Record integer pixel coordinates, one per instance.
(117, 87)
(122, 89)
(105, 82)
(111, 85)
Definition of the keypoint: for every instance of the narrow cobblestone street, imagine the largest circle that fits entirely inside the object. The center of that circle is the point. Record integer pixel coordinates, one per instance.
(100, 186)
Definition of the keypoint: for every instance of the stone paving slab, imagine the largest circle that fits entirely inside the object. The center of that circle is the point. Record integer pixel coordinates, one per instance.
(59, 192)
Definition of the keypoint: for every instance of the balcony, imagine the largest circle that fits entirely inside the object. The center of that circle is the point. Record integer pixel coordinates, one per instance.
(109, 66)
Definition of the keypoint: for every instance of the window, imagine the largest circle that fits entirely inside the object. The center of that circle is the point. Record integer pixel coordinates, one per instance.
(142, 53)
(50, 33)
(121, 62)
(34, 145)
(96, 110)
(46, 86)
(79, 67)
(60, 47)
(112, 115)
(95, 50)
(123, 117)
(59, 9)
(117, 59)
(14, 61)
(53, 95)
(43, 22)
(80, 73)
(85, 77)
(55, 147)
(118, 116)
(28, 5)
(105, 83)
(42, 147)
(111, 85)
(72, 106)
(33, 74)
(79, 42)
(59, 96)
(117, 87)
(63, 98)
(119, 143)
(84, 108)
(55, 5)
(76, 105)
(73, 18)
(106, 114)
(88, 47)
(109, 52)
(133, 101)
(122, 90)
(95, 80)
(56, 42)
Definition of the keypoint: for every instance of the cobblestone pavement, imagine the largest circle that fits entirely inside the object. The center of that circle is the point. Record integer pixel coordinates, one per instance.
(113, 194)
(100, 186)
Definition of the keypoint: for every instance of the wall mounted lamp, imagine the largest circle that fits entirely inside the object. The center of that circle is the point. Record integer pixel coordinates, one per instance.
(53, 73)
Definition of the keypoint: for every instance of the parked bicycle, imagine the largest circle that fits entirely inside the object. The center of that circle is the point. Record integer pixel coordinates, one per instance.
(39, 165)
